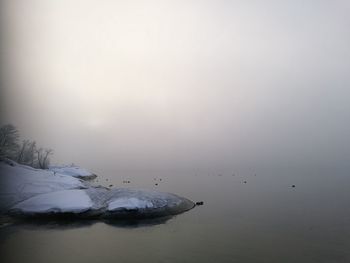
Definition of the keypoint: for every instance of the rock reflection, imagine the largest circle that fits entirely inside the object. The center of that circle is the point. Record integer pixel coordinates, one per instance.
(65, 224)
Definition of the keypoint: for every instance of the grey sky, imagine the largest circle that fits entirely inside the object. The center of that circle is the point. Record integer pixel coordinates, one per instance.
(179, 84)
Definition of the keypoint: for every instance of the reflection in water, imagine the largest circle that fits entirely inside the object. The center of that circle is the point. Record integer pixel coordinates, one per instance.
(66, 224)
(138, 223)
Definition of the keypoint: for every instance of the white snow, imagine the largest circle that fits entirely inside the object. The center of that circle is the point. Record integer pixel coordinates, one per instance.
(66, 201)
(19, 182)
(74, 171)
(131, 203)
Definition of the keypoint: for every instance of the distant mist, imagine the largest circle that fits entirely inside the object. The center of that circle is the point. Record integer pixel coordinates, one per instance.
(179, 85)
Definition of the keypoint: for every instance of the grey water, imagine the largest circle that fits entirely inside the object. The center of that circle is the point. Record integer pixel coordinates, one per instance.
(271, 215)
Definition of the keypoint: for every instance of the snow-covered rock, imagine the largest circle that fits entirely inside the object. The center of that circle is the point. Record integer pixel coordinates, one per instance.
(65, 201)
(126, 203)
(25, 191)
(20, 182)
(74, 171)
(103, 203)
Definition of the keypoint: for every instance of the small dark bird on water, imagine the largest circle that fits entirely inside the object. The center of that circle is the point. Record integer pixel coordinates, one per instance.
(156, 184)
(110, 185)
(293, 185)
(245, 182)
(200, 203)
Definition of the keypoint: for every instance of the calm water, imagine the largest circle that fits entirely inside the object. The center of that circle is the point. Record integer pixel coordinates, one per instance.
(262, 220)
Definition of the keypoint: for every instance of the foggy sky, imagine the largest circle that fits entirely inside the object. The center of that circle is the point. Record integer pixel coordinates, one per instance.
(179, 84)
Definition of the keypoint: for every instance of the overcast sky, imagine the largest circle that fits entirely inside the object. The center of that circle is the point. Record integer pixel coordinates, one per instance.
(179, 84)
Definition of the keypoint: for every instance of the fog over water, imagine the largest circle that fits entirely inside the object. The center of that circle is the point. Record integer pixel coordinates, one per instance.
(242, 105)
(180, 85)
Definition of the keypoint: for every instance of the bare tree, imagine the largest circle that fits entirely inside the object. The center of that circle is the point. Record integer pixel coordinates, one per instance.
(26, 153)
(22, 150)
(30, 154)
(43, 159)
(9, 136)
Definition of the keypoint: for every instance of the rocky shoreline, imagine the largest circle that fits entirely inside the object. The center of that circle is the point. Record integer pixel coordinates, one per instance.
(60, 192)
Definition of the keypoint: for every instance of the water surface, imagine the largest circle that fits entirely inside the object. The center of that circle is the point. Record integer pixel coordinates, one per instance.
(247, 216)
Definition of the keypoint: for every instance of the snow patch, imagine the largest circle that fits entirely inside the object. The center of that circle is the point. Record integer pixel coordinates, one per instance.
(131, 203)
(66, 201)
